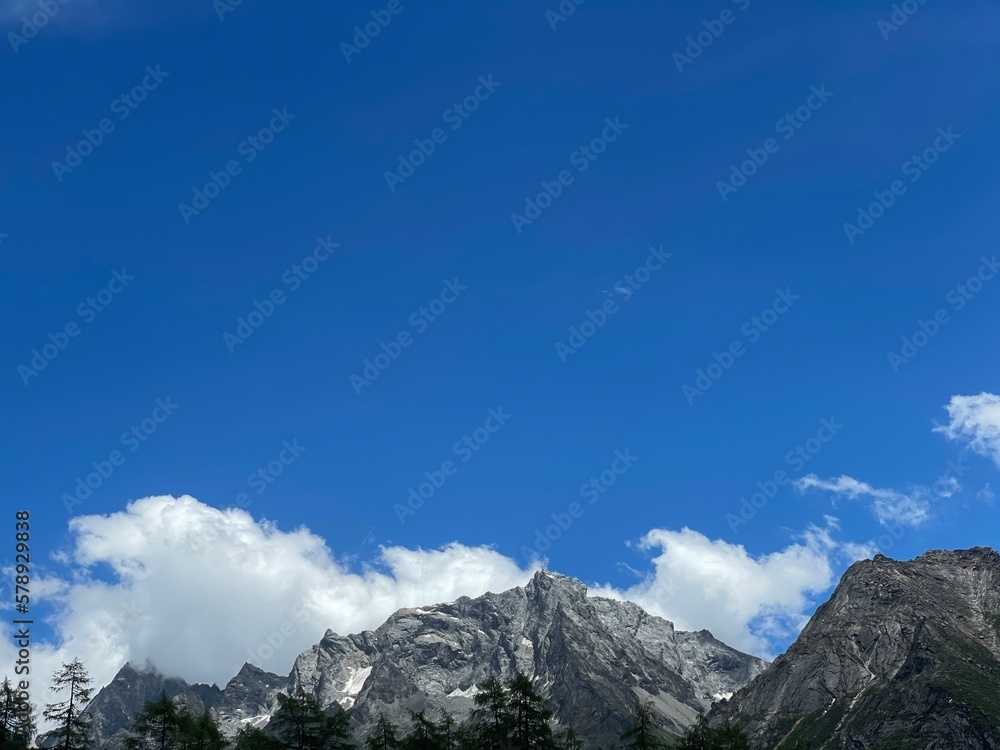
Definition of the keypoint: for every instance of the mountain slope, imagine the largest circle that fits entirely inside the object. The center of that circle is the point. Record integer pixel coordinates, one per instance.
(903, 655)
(591, 657)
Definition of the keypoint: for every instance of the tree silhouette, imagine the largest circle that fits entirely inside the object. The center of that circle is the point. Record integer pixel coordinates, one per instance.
(529, 716)
(72, 724)
(201, 733)
(425, 734)
(301, 724)
(254, 738)
(17, 718)
(447, 731)
(491, 717)
(642, 735)
(383, 737)
(703, 737)
(569, 741)
(158, 726)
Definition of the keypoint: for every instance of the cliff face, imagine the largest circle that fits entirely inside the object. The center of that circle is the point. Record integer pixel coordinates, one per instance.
(903, 655)
(593, 658)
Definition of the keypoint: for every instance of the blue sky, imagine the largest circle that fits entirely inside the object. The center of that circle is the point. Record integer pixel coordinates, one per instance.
(451, 203)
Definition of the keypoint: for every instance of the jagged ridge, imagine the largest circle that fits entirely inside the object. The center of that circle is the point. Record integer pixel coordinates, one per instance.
(592, 657)
(903, 655)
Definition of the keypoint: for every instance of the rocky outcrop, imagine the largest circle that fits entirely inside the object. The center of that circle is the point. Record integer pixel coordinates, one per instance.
(903, 655)
(592, 658)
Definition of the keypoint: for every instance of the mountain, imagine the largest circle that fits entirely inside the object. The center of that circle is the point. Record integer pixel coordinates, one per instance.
(592, 658)
(114, 707)
(904, 655)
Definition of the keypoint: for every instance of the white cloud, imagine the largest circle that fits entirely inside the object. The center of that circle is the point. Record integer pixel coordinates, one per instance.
(193, 588)
(947, 486)
(745, 601)
(864, 551)
(986, 494)
(890, 506)
(976, 421)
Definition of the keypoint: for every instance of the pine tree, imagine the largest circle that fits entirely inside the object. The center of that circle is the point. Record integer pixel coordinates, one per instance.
(467, 738)
(569, 741)
(425, 734)
(447, 731)
(159, 726)
(491, 718)
(72, 724)
(703, 737)
(302, 724)
(383, 736)
(201, 733)
(254, 738)
(531, 730)
(642, 735)
(17, 718)
(695, 738)
(729, 737)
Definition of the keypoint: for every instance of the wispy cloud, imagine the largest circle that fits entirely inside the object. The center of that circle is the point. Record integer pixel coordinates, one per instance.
(890, 506)
(975, 420)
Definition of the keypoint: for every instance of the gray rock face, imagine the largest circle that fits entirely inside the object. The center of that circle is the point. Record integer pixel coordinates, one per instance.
(248, 698)
(903, 655)
(593, 658)
(114, 707)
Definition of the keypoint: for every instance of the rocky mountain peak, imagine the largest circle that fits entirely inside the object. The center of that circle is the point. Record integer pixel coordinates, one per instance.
(549, 585)
(592, 658)
(904, 651)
